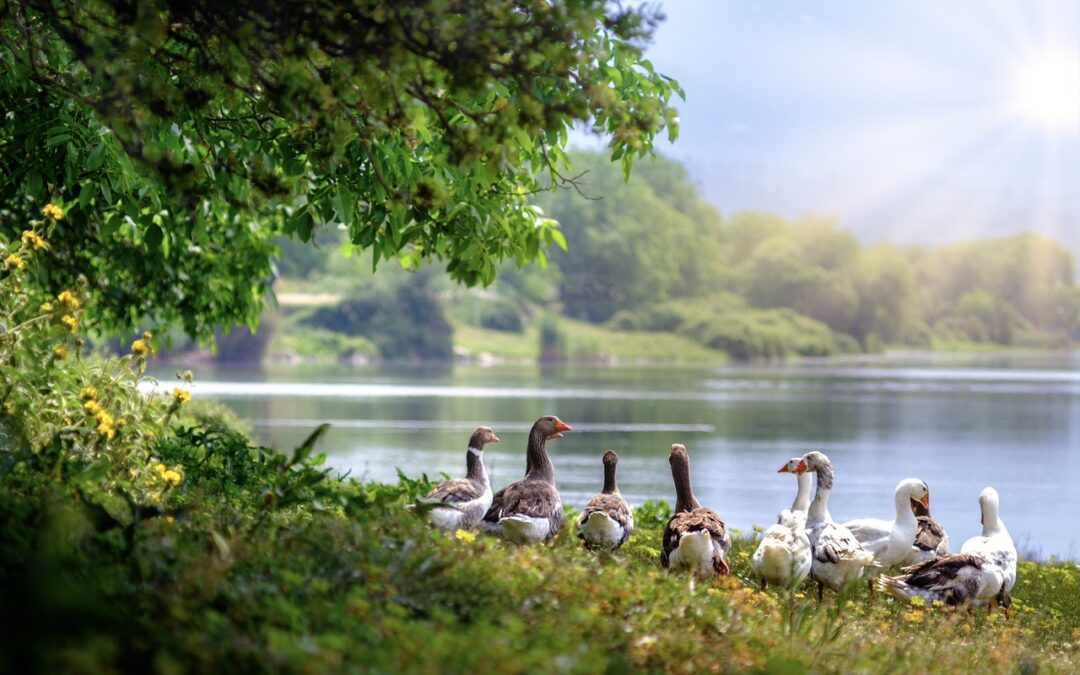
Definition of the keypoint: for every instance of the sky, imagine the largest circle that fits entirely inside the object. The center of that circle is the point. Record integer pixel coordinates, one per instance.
(914, 122)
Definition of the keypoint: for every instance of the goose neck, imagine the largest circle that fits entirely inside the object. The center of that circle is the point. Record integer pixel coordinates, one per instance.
(537, 463)
(474, 466)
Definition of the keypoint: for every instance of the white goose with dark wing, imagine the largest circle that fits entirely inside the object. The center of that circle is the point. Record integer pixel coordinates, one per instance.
(838, 557)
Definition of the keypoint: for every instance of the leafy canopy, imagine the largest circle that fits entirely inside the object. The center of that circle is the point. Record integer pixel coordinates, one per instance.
(180, 137)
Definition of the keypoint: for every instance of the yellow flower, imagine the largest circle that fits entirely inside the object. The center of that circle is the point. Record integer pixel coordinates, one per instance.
(914, 616)
(140, 348)
(169, 519)
(68, 300)
(916, 601)
(181, 396)
(71, 322)
(88, 393)
(60, 351)
(46, 307)
(465, 536)
(14, 261)
(147, 335)
(92, 407)
(160, 468)
(52, 211)
(9, 407)
(107, 431)
(172, 477)
(31, 238)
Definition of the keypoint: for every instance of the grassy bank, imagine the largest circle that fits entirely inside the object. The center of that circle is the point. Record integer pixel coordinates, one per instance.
(261, 562)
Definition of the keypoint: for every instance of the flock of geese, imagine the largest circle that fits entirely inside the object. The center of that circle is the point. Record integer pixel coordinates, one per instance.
(805, 541)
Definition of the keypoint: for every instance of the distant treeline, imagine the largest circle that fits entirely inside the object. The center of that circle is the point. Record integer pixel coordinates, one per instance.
(653, 255)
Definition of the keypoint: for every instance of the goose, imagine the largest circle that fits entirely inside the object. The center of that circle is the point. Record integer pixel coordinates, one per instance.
(957, 579)
(606, 521)
(931, 540)
(838, 557)
(694, 537)
(465, 499)
(994, 544)
(797, 466)
(530, 510)
(783, 556)
(890, 541)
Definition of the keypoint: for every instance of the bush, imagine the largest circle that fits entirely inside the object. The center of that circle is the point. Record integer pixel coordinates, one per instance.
(405, 323)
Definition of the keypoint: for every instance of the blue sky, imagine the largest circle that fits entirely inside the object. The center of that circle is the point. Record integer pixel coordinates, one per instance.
(906, 121)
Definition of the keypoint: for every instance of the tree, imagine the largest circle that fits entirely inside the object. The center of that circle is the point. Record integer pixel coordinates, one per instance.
(180, 138)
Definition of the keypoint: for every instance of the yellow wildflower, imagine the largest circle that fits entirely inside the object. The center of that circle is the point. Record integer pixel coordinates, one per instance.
(147, 335)
(9, 407)
(132, 473)
(172, 477)
(46, 307)
(181, 396)
(71, 322)
(15, 261)
(52, 211)
(140, 348)
(917, 601)
(68, 300)
(88, 393)
(160, 468)
(31, 238)
(106, 429)
(465, 536)
(60, 351)
(914, 616)
(169, 519)
(92, 407)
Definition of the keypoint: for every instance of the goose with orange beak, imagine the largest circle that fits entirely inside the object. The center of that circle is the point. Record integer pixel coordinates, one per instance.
(530, 510)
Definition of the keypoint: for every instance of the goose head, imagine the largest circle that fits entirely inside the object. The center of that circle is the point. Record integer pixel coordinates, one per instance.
(988, 505)
(915, 490)
(794, 465)
(551, 426)
(481, 437)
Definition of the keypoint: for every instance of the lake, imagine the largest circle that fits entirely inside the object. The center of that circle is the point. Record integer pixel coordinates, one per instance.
(959, 423)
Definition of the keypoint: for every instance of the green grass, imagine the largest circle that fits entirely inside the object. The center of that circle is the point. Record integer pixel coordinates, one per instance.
(587, 342)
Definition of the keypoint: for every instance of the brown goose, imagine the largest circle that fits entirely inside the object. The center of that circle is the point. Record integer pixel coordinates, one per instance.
(530, 510)
(468, 498)
(695, 537)
(931, 540)
(606, 521)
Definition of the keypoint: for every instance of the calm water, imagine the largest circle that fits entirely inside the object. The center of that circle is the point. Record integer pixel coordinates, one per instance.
(1008, 421)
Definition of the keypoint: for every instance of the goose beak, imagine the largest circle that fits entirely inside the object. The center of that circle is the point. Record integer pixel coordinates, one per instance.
(560, 427)
(783, 469)
(494, 439)
(925, 501)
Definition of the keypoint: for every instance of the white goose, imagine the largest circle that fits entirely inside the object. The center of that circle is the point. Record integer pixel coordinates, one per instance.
(530, 510)
(797, 466)
(983, 574)
(958, 579)
(783, 556)
(994, 544)
(465, 500)
(890, 541)
(606, 521)
(838, 557)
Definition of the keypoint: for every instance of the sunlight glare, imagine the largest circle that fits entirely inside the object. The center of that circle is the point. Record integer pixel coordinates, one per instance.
(1046, 91)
